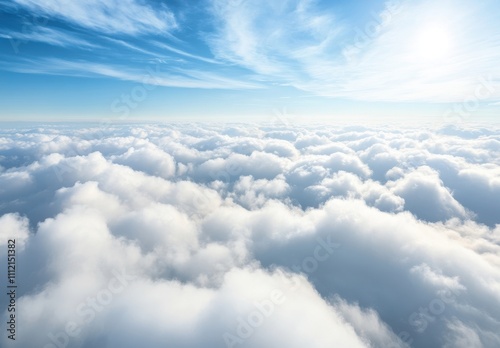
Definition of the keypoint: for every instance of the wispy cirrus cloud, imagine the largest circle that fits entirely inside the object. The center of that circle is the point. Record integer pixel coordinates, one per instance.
(427, 51)
(183, 53)
(51, 36)
(154, 74)
(110, 16)
(412, 51)
(270, 38)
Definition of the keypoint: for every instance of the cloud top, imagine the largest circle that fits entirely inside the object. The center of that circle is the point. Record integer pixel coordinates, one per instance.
(252, 236)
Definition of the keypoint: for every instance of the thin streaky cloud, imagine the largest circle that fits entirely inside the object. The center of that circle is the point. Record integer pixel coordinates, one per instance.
(415, 55)
(396, 64)
(127, 17)
(186, 54)
(152, 74)
(50, 36)
(131, 46)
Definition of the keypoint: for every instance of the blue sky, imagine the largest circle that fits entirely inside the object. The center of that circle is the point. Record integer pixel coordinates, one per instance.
(245, 60)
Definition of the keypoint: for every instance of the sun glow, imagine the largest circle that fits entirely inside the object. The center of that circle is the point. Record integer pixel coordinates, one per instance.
(433, 43)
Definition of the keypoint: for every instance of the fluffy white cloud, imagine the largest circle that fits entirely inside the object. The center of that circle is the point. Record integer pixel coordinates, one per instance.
(12, 226)
(149, 159)
(426, 197)
(248, 236)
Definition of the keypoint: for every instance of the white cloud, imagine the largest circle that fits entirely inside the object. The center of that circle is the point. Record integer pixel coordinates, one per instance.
(435, 278)
(259, 35)
(328, 222)
(368, 325)
(50, 36)
(426, 197)
(128, 17)
(153, 75)
(410, 51)
(149, 159)
(465, 336)
(12, 226)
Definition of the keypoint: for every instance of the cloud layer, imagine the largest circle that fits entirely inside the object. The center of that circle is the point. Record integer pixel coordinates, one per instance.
(252, 236)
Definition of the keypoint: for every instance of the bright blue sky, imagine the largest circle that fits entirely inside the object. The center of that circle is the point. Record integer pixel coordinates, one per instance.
(249, 59)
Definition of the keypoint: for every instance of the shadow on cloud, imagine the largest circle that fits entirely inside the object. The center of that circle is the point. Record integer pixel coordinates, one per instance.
(253, 236)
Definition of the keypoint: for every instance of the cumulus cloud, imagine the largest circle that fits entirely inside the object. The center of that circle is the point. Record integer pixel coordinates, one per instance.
(426, 197)
(252, 236)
